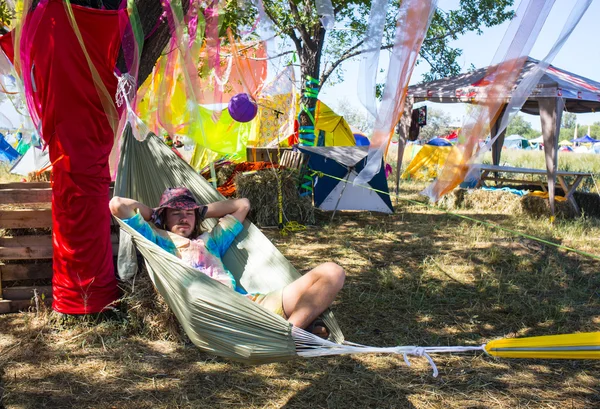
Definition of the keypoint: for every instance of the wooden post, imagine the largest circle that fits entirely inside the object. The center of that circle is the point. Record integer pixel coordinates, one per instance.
(403, 128)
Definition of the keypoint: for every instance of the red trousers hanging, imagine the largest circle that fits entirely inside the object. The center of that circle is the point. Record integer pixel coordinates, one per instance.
(80, 138)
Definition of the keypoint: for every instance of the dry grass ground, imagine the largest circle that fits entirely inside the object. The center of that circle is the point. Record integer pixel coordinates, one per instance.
(418, 277)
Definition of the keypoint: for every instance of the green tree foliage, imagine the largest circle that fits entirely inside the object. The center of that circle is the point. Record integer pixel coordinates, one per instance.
(321, 52)
(438, 124)
(569, 120)
(321, 55)
(355, 117)
(520, 126)
(6, 15)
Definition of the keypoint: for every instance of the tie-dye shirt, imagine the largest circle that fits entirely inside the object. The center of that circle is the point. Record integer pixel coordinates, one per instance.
(203, 253)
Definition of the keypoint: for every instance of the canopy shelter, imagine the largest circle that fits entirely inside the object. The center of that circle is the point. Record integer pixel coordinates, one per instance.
(557, 90)
(585, 139)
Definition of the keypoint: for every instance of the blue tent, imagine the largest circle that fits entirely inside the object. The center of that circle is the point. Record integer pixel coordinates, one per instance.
(361, 140)
(7, 152)
(585, 139)
(439, 142)
(345, 162)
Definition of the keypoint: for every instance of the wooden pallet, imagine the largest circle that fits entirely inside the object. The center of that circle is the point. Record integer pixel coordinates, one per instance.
(293, 160)
(265, 154)
(32, 253)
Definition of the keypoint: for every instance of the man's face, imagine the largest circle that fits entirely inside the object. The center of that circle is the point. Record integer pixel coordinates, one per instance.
(180, 222)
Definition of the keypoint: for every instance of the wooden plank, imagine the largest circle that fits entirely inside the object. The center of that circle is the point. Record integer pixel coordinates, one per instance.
(25, 185)
(35, 252)
(26, 253)
(32, 271)
(11, 196)
(25, 293)
(510, 169)
(521, 181)
(23, 219)
(11, 306)
(37, 240)
(32, 185)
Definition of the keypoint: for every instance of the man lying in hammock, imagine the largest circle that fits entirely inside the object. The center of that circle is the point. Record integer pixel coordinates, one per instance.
(175, 226)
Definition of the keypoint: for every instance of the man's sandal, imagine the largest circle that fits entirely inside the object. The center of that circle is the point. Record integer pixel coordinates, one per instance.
(318, 328)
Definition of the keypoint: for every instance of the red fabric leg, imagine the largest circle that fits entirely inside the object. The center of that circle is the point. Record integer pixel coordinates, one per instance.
(80, 138)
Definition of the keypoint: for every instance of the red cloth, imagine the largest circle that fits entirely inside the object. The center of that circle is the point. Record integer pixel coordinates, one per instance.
(6, 43)
(80, 138)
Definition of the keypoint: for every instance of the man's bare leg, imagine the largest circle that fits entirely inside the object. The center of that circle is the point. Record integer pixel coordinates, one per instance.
(313, 293)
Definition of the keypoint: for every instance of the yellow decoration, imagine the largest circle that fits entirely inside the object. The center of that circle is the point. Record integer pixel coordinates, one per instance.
(545, 195)
(570, 346)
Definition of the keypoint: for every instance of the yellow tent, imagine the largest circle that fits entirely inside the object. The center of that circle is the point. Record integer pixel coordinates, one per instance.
(428, 161)
(336, 129)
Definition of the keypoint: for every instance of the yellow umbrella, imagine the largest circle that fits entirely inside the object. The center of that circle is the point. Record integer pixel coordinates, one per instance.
(570, 346)
(565, 143)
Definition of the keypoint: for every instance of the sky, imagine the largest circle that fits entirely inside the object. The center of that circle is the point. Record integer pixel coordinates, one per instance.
(580, 55)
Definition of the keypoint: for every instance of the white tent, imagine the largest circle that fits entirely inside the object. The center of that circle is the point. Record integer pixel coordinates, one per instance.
(515, 142)
(33, 160)
(539, 139)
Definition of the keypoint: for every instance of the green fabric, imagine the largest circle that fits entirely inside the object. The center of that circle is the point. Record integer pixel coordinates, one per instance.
(217, 319)
(22, 147)
(225, 136)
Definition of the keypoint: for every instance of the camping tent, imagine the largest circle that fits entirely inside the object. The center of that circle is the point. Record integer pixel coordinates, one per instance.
(7, 152)
(516, 142)
(33, 160)
(539, 139)
(361, 140)
(345, 162)
(565, 143)
(429, 159)
(439, 142)
(335, 129)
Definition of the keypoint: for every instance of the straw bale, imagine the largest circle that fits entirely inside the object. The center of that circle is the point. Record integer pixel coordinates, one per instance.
(589, 203)
(42, 177)
(540, 207)
(261, 188)
(224, 172)
(483, 200)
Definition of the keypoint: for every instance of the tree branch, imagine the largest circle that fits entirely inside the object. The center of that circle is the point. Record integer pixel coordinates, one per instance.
(348, 54)
(303, 31)
(286, 30)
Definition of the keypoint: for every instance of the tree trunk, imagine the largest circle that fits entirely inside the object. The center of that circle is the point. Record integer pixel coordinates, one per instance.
(150, 11)
(310, 61)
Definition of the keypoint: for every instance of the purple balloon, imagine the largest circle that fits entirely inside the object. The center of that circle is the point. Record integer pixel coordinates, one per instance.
(242, 107)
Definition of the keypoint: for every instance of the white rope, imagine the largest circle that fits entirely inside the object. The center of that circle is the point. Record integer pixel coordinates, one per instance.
(310, 345)
(126, 92)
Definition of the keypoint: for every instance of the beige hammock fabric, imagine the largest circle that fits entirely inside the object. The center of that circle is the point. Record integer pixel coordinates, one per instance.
(217, 319)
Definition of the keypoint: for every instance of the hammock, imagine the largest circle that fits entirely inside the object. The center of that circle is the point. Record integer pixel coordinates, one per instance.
(216, 319)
